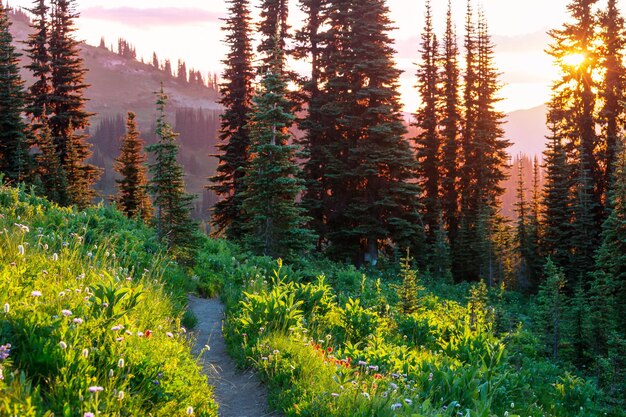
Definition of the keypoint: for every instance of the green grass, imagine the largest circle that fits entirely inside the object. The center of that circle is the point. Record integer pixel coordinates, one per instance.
(92, 311)
(338, 345)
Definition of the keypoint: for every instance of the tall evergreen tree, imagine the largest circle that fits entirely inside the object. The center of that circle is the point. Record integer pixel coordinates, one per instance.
(534, 257)
(132, 197)
(374, 200)
(39, 55)
(426, 120)
(551, 303)
(173, 205)
(236, 98)
(51, 173)
(69, 120)
(15, 160)
(612, 114)
(557, 203)
(274, 29)
(522, 221)
(310, 45)
(450, 124)
(275, 224)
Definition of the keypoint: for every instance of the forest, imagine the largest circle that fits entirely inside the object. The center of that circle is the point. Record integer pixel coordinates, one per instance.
(364, 268)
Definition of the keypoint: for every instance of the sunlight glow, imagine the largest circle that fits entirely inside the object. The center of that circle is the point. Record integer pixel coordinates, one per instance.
(574, 59)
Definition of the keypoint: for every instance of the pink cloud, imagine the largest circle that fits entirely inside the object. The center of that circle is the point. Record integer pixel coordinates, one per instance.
(164, 16)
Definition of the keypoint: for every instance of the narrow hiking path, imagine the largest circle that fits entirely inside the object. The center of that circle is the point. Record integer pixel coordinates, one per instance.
(239, 394)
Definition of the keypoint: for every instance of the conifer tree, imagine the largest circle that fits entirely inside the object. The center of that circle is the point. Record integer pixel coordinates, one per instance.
(608, 286)
(15, 161)
(450, 124)
(69, 120)
(40, 61)
(310, 45)
(585, 237)
(522, 221)
(551, 302)
(273, 29)
(426, 120)
(275, 224)
(557, 203)
(371, 165)
(612, 115)
(132, 197)
(534, 258)
(52, 175)
(173, 205)
(236, 98)
(409, 290)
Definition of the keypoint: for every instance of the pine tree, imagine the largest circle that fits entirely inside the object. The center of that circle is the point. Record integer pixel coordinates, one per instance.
(275, 225)
(450, 123)
(522, 222)
(273, 29)
(69, 120)
(613, 37)
(52, 175)
(236, 98)
(426, 120)
(557, 203)
(371, 165)
(310, 45)
(173, 205)
(409, 290)
(15, 161)
(551, 303)
(608, 286)
(533, 252)
(40, 61)
(132, 197)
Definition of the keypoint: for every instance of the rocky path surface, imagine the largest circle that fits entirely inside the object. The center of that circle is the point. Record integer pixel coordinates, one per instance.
(239, 394)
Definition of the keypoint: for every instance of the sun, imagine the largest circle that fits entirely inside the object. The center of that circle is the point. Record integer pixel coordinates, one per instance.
(574, 59)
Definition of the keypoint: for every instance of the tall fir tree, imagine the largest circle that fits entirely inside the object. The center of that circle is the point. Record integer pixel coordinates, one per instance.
(534, 258)
(173, 205)
(132, 195)
(51, 173)
(428, 140)
(275, 224)
(450, 126)
(551, 303)
(372, 165)
(612, 114)
(573, 120)
(66, 101)
(521, 209)
(15, 159)
(236, 98)
(310, 45)
(274, 31)
(40, 61)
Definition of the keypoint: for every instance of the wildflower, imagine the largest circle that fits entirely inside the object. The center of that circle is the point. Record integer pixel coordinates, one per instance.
(95, 388)
(506, 414)
(393, 386)
(55, 257)
(111, 373)
(36, 294)
(334, 394)
(120, 395)
(276, 352)
(89, 254)
(378, 376)
(89, 414)
(45, 246)
(119, 339)
(105, 305)
(207, 347)
(396, 406)
(7, 308)
(128, 332)
(169, 334)
(22, 227)
(189, 410)
(78, 320)
(430, 376)
(116, 328)
(373, 367)
(1, 375)
(408, 401)
(62, 294)
(512, 405)
(140, 334)
(362, 363)
(148, 333)
(264, 358)
(183, 330)
(66, 313)
(63, 345)
(120, 363)
(20, 250)
(5, 350)
(85, 353)
(366, 395)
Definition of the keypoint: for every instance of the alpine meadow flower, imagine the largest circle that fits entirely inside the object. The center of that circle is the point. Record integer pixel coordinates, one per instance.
(66, 313)
(169, 334)
(20, 250)
(36, 294)
(78, 320)
(7, 308)
(55, 257)
(189, 411)
(120, 395)
(85, 353)
(89, 414)
(120, 363)
(63, 345)
(95, 388)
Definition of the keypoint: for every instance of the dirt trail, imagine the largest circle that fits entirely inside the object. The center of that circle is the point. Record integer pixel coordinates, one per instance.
(239, 394)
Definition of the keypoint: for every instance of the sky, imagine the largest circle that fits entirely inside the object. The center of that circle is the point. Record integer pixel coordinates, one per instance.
(191, 30)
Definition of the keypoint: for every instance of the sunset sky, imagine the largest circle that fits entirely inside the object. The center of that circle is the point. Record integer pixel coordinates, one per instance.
(191, 31)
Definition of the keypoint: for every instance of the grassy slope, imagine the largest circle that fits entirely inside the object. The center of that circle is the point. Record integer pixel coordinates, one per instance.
(339, 346)
(87, 300)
